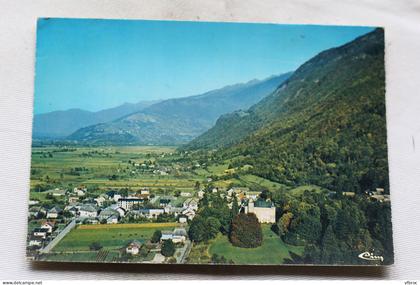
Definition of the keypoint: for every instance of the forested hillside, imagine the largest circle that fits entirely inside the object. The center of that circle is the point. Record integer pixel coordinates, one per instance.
(325, 125)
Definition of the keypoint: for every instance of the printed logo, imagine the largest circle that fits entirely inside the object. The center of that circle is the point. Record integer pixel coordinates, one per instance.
(370, 256)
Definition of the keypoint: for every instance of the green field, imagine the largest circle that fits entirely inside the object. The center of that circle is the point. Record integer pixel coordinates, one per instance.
(272, 251)
(111, 237)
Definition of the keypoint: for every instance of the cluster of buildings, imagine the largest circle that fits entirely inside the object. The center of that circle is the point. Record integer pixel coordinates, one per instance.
(379, 195)
(178, 236)
(112, 206)
(41, 234)
(251, 202)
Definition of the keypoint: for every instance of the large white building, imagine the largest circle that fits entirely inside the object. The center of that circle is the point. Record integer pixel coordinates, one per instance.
(128, 202)
(263, 209)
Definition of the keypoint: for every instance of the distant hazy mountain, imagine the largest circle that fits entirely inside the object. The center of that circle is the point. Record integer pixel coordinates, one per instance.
(179, 120)
(59, 124)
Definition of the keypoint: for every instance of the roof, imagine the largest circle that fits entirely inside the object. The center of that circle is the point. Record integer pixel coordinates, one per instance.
(111, 193)
(88, 208)
(55, 210)
(131, 199)
(164, 200)
(48, 223)
(108, 211)
(40, 230)
(180, 232)
(263, 203)
(134, 243)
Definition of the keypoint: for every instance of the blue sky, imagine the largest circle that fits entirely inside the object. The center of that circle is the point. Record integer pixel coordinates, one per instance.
(97, 64)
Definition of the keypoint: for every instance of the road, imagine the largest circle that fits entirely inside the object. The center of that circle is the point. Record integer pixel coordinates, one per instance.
(185, 251)
(59, 237)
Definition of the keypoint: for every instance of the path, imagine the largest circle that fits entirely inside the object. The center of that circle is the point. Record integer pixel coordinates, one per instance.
(186, 251)
(59, 237)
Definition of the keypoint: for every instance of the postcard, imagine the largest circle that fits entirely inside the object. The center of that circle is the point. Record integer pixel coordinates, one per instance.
(183, 142)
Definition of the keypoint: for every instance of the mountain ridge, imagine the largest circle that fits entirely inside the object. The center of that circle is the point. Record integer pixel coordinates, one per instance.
(178, 120)
(325, 125)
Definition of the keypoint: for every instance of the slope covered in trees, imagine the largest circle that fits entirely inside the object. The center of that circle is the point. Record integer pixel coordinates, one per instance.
(325, 125)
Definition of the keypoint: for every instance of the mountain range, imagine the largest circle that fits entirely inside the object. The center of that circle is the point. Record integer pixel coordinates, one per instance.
(179, 120)
(324, 125)
(60, 124)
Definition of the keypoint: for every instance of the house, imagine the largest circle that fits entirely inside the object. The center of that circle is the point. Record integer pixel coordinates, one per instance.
(88, 211)
(145, 191)
(99, 200)
(53, 213)
(148, 213)
(200, 194)
(133, 247)
(191, 203)
(106, 213)
(35, 241)
(117, 197)
(252, 195)
(41, 233)
(117, 208)
(164, 202)
(79, 191)
(263, 209)
(173, 210)
(178, 235)
(186, 194)
(182, 220)
(143, 196)
(128, 202)
(72, 209)
(48, 225)
(349, 194)
(112, 220)
(73, 199)
(189, 213)
(214, 190)
(37, 211)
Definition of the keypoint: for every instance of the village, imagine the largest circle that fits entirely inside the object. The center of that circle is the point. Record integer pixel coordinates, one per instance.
(114, 207)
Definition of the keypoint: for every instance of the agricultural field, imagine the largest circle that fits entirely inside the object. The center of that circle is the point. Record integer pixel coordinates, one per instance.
(161, 169)
(111, 237)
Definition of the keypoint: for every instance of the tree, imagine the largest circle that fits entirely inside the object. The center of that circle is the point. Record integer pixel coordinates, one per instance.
(284, 222)
(156, 236)
(246, 231)
(95, 246)
(213, 227)
(168, 248)
(235, 207)
(198, 229)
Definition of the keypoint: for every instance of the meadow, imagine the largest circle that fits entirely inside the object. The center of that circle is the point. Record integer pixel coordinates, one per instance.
(272, 251)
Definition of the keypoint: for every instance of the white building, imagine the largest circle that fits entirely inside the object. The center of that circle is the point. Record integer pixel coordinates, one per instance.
(178, 235)
(191, 203)
(133, 247)
(264, 210)
(53, 213)
(128, 202)
(88, 211)
(48, 225)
